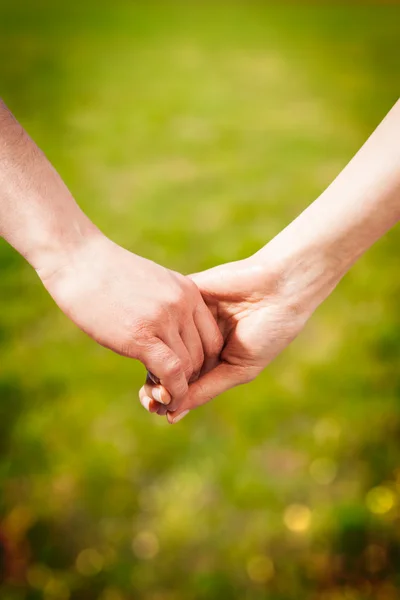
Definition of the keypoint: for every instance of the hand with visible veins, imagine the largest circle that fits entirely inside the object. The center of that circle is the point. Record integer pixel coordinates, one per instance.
(262, 303)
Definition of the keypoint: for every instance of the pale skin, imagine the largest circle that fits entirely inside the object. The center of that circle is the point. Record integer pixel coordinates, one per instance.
(263, 302)
(125, 302)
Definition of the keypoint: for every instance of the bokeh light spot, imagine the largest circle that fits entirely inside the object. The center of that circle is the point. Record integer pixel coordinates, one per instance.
(297, 517)
(323, 470)
(387, 591)
(18, 521)
(380, 500)
(112, 593)
(145, 545)
(89, 562)
(260, 569)
(38, 576)
(56, 590)
(326, 430)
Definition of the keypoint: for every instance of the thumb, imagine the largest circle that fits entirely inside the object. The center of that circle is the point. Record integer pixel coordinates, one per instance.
(210, 278)
(214, 383)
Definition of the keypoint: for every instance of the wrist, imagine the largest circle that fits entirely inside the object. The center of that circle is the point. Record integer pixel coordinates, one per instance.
(305, 271)
(57, 245)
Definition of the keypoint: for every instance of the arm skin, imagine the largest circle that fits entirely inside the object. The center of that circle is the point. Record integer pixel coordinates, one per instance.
(262, 303)
(123, 301)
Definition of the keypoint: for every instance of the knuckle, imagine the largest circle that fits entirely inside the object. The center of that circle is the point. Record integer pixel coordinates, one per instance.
(135, 329)
(135, 341)
(174, 368)
(192, 287)
(177, 298)
(158, 314)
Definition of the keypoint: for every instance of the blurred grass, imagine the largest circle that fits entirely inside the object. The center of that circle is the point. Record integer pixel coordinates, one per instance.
(192, 133)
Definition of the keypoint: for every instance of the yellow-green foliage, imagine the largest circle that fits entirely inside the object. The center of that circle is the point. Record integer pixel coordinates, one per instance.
(192, 133)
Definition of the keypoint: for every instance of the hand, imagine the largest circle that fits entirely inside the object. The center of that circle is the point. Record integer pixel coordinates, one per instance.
(262, 303)
(137, 309)
(258, 319)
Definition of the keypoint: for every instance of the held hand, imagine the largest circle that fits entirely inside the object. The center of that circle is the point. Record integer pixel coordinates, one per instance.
(137, 309)
(257, 320)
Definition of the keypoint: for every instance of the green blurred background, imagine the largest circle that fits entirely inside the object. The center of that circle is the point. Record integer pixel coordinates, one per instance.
(192, 133)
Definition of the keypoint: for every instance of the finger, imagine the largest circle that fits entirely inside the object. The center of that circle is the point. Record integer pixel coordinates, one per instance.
(214, 383)
(150, 404)
(156, 391)
(153, 378)
(210, 335)
(193, 344)
(174, 341)
(209, 355)
(168, 368)
(189, 348)
(149, 391)
(162, 411)
(147, 402)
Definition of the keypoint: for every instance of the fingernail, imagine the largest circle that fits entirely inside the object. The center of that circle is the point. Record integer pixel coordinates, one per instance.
(180, 417)
(157, 395)
(145, 402)
(154, 406)
(153, 378)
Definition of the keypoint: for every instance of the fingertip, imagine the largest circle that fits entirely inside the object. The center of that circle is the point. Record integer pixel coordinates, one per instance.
(174, 418)
(154, 406)
(145, 401)
(161, 395)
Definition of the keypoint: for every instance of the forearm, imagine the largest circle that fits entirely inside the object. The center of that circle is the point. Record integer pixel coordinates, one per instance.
(360, 206)
(123, 301)
(38, 215)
